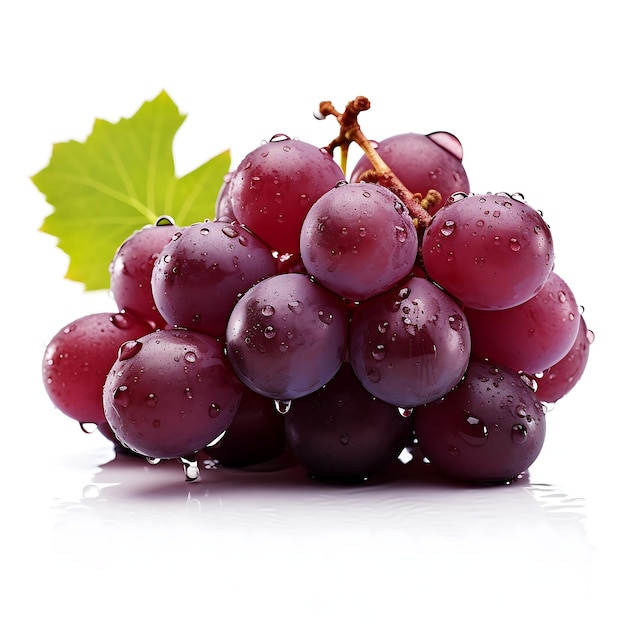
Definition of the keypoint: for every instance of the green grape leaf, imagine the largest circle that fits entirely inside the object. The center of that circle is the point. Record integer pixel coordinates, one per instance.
(119, 179)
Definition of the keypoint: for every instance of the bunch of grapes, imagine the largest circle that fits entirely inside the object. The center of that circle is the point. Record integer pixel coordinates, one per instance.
(340, 320)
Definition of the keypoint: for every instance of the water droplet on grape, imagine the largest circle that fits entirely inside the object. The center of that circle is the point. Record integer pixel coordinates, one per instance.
(405, 412)
(373, 375)
(121, 321)
(88, 427)
(295, 306)
(379, 352)
(205, 231)
(153, 460)
(519, 433)
(448, 142)
(453, 450)
(190, 357)
(279, 137)
(401, 234)
(344, 439)
(269, 332)
(448, 228)
(214, 410)
(282, 406)
(456, 322)
(150, 400)
(473, 430)
(325, 318)
(121, 396)
(267, 310)
(514, 244)
(383, 327)
(128, 350)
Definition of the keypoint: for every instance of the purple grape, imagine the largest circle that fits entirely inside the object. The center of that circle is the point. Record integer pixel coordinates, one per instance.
(422, 163)
(256, 434)
(560, 378)
(532, 336)
(131, 270)
(200, 274)
(489, 429)
(410, 345)
(78, 358)
(287, 336)
(275, 185)
(170, 393)
(342, 433)
(490, 251)
(358, 240)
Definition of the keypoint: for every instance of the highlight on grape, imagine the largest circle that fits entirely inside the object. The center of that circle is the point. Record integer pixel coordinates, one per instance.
(333, 319)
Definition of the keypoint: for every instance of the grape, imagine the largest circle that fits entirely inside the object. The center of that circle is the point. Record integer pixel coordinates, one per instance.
(532, 336)
(78, 358)
(342, 433)
(344, 233)
(131, 270)
(559, 379)
(200, 274)
(170, 393)
(275, 185)
(256, 434)
(287, 336)
(490, 251)
(410, 345)
(422, 163)
(488, 429)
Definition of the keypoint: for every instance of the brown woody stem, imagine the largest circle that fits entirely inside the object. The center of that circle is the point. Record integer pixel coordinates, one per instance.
(350, 131)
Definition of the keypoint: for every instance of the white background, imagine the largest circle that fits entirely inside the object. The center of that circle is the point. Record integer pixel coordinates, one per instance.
(534, 90)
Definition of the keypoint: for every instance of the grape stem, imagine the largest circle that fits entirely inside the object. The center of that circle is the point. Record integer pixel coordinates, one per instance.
(350, 131)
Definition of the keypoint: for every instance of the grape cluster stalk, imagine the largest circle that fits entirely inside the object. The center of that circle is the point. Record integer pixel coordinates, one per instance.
(334, 321)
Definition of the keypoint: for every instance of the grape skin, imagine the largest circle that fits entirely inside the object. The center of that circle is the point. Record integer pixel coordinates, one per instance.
(532, 336)
(287, 336)
(422, 163)
(78, 358)
(275, 185)
(489, 429)
(560, 378)
(490, 251)
(343, 235)
(201, 272)
(410, 345)
(131, 271)
(170, 393)
(341, 433)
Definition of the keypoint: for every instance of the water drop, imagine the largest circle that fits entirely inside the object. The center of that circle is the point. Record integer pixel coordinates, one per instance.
(473, 430)
(373, 375)
(448, 142)
(122, 321)
(379, 352)
(269, 332)
(514, 244)
(205, 231)
(325, 318)
(295, 306)
(401, 234)
(214, 410)
(405, 412)
(383, 327)
(282, 406)
(344, 439)
(153, 460)
(456, 322)
(267, 310)
(150, 400)
(128, 350)
(519, 433)
(121, 396)
(191, 469)
(88, 427)
(448, 228)
(190, 357)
